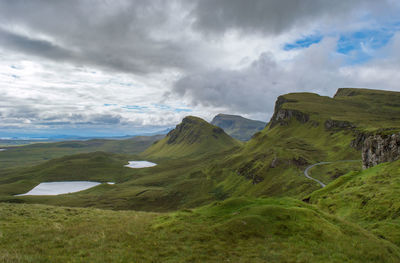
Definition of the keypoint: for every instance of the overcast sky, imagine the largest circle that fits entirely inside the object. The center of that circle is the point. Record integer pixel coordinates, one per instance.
(116, 67)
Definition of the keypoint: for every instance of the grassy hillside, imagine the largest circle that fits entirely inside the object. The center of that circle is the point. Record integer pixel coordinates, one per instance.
(236, 230)
(199, 163)
(172, 184)
(370, 197)
(192, 138)
(41, 152)
(98, 166)
(307, 128)
(238, 127)
(273, 162)
(368, 110)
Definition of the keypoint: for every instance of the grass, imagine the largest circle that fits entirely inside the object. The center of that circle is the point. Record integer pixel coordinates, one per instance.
(215, 194)
(170, 185)
(192, 180)
(41, 152)
(369, 110)
(192, 138)
(370, 197)
(327, 173)
(236, 230)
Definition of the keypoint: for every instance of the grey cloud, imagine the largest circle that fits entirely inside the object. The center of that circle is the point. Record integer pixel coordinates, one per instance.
(318, 69)
(142, 37)
(118, 35)
(273, 16)
(253, 90)
(139, 37)
(33, 46)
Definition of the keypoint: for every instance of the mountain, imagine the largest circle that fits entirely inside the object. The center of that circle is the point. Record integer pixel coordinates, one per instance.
(192, 137)
(238, 127)
(305, 129)
(233, 196)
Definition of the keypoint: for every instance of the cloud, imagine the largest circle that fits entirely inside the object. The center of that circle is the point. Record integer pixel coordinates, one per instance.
(132, 63)
(32, 46)
(318, 68)
(276, 17)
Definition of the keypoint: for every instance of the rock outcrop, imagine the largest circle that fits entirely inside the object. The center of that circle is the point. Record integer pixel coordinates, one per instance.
(338, 125)
(282, 116)
(380, 148)
(359, 140)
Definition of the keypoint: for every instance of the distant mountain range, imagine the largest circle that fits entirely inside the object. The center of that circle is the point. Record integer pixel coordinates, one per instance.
(21, 139)
(238, 127)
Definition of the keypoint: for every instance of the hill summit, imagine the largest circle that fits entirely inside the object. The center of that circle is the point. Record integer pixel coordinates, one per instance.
(238, 127)
(192, 137)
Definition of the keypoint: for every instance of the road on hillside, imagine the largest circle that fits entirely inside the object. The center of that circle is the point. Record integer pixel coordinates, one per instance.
(321, 163)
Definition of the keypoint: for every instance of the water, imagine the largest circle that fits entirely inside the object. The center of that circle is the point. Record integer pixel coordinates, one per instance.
(58, 188)
(2, 150)
(140, 164)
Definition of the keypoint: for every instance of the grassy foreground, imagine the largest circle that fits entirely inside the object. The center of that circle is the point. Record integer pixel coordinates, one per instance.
(236, 230)
(370, 198)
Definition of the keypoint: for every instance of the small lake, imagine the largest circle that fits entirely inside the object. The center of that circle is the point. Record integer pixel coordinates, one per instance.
(58, 188)
(140, 164)
(2, 150)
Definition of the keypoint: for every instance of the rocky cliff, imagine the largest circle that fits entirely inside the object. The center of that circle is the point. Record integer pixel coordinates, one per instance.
(380, 148)
(282, 116)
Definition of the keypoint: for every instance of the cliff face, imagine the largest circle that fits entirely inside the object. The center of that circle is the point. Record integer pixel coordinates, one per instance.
(380, 148)
(282, 116)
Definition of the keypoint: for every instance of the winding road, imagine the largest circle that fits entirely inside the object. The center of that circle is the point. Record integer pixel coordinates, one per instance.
(321, 163)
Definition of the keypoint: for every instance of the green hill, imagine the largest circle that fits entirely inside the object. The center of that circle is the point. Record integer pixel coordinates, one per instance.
(238, 127)
(193, 137)
(307, 128)
(97, 166)
(245, 191)
(370, 198)
(363, 109)
(236, 230)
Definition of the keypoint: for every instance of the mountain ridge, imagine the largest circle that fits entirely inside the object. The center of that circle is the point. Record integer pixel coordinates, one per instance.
(237, 126)
(193, 136)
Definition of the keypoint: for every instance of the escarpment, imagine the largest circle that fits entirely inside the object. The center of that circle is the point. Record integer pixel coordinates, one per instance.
(282, 116)
(380, 148)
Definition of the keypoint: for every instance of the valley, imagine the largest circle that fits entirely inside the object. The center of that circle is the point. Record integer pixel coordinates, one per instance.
(297, 191)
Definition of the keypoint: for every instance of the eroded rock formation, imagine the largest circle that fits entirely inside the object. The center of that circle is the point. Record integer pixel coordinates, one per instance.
(282, 116)
(380, 148)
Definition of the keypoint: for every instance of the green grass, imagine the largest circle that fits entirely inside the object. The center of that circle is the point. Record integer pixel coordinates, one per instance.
(41, 152)
(170, 185)
(273, 162)
(369, 110)
(327, 173)
(236, 230)
(192, 138)
(370, 198)
(231, 184)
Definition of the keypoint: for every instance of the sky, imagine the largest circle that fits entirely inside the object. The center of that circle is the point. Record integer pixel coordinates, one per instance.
(117, 67)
